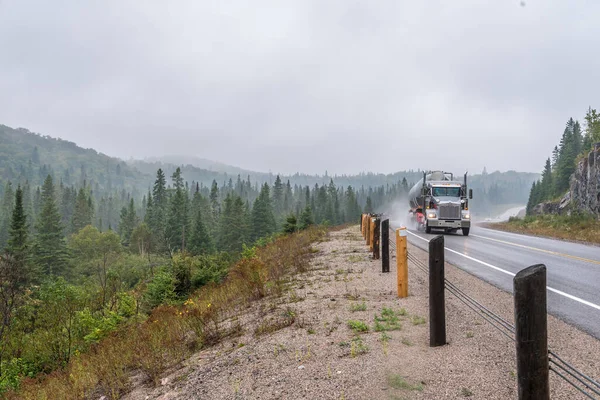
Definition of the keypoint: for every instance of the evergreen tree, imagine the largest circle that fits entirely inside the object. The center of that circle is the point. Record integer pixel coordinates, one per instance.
(278, 196)
(157, 215)
(369, 206)
(49, 248)
(177, 227)
(546, 186)
(232, 229)
(592, 129)
(127, 223)
(200, 241)
(263, 221)
(291, 224)
(6, 214)
(18, 244)
(82, 215)
(306, 218)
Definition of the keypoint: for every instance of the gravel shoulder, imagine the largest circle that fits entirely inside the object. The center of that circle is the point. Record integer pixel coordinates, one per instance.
(300, 346)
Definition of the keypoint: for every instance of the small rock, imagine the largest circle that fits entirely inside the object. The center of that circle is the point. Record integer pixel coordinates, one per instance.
(301, 367)
(339, 372)
(164, 381)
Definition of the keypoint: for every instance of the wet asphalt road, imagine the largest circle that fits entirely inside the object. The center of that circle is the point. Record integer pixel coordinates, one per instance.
(573, 270)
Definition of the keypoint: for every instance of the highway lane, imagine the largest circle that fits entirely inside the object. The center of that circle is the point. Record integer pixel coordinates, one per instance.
(573, 269)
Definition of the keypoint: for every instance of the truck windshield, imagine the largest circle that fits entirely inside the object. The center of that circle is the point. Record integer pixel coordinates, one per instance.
(446, 191)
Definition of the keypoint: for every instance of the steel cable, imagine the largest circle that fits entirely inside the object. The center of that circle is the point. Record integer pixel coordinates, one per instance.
(508, 330)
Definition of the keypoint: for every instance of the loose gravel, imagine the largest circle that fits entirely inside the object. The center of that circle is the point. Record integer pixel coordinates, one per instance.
(320, 357)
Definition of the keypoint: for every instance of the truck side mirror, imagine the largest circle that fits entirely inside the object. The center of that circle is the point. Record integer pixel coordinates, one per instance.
(470, 193)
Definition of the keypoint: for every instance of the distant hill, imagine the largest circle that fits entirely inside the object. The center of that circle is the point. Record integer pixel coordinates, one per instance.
(25, 155)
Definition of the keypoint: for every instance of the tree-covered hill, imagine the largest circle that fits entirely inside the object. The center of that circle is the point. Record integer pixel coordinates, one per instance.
(25, 155)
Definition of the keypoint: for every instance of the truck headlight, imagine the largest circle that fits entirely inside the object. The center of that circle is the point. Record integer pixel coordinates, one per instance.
(466, 216)
(431, 215)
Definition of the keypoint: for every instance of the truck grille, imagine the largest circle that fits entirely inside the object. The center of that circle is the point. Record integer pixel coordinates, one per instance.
(449, 211)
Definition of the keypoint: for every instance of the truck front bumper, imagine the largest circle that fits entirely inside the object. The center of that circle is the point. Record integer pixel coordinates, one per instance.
(453, 224)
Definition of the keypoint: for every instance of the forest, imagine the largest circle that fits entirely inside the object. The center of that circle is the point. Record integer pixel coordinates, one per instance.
(574, 144)
(91, 243)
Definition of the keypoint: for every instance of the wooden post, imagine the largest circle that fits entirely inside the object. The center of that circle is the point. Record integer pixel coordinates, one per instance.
(531, 333)
(371, 233)
(368, 232)
(402, 262)
(385, 245)
(437, 306)
(376, 236)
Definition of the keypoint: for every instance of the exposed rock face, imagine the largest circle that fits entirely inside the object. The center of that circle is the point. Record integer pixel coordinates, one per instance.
(585, 183)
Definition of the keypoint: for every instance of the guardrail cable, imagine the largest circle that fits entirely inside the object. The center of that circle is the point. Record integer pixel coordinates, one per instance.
(557, 365)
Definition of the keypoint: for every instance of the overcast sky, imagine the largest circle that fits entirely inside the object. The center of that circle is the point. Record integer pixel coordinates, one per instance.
(306, 85)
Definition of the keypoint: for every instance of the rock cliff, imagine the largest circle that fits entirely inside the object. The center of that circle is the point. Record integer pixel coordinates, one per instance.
(585, 183)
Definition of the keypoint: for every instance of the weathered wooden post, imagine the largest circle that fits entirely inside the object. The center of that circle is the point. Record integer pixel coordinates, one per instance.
(531, 333)
(401, 262)
(368, 230)
(376, 236)
(361, 222)
(385, 245)
(437, 303)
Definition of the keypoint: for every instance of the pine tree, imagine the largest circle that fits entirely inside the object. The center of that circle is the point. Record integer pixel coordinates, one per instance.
(278, 196)
(232, 226)
(18, 244)
(263, 221)
(369, 205)
(177, 227)
(49, 248)
(128, 222)
(592, 129)
(157, 215)
(546, 186)
(291, 224)
(82, 215)
(200, 241)
(6, 214)
(306, 218)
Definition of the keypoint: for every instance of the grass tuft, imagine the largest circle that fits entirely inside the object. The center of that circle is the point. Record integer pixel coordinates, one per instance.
(399, 382)
(358, 326)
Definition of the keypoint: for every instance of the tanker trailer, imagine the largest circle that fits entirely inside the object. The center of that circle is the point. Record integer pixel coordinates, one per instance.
(437, 201)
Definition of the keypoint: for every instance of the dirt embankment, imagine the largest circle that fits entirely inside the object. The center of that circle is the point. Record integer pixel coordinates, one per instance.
(340, 332)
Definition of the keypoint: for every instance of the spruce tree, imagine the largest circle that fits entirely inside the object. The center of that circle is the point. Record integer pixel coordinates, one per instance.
(177, 227)
(18, 244)
(306, 218)
(6, 214)
(49, 247)
(82, 216)
(200, 241)
(369, 205)
(278, 196)
(291, 224)
(263, 221)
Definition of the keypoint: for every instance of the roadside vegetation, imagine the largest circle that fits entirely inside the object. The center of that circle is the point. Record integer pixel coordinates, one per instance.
(171, 332)
(575, 227)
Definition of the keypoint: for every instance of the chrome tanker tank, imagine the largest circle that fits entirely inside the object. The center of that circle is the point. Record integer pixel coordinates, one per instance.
(415, 196)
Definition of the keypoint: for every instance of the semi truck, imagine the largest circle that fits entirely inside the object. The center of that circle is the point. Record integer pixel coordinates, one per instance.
(437, 201)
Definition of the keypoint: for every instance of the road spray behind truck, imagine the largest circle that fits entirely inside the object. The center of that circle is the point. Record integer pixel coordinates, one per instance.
(437, 201)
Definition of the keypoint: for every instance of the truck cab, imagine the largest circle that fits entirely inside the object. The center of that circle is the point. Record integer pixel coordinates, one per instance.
(440, 202)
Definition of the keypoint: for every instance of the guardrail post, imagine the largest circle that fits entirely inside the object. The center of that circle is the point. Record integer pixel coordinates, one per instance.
(531, 333)
(371, 233)
(402, 262)
(368, 230)
(376, 236)
(437, 303)
(385, 245)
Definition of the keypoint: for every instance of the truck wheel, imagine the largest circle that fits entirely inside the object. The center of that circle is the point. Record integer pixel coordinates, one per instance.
(427, 228)
(466, 231)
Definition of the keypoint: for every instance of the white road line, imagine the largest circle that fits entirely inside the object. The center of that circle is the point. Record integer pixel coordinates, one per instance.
(567, 295)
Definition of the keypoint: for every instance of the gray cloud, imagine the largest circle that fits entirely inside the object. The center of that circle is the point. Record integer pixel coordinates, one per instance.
(303, 85)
